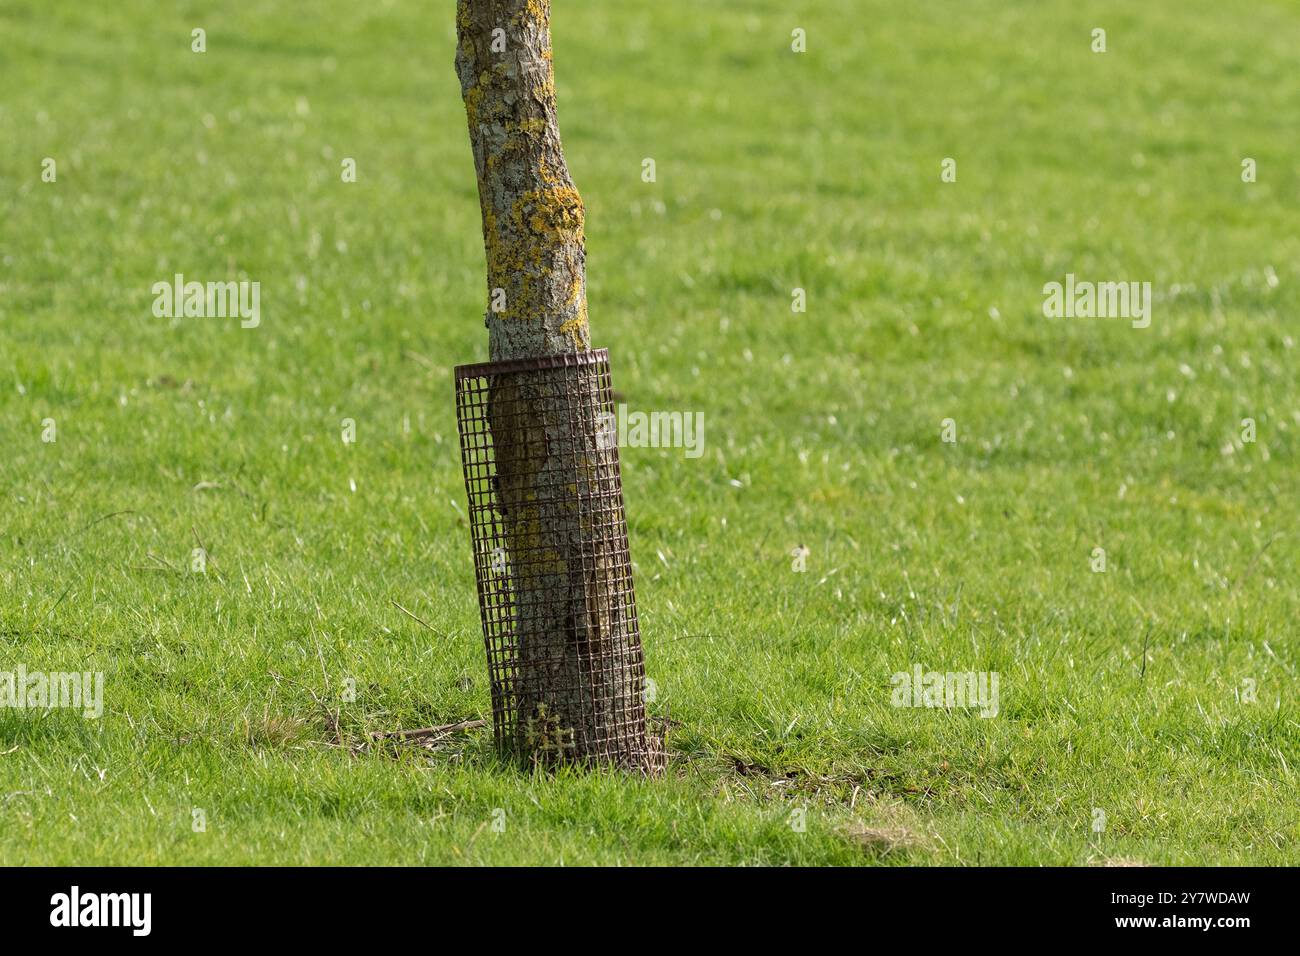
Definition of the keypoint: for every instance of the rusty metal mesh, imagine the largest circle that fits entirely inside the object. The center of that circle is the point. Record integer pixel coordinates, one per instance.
(540, 455)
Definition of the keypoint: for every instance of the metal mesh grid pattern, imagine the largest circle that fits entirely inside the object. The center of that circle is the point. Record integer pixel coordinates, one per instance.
(540, 456)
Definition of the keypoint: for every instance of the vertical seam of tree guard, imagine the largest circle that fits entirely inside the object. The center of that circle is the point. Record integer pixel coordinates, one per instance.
(551, 559)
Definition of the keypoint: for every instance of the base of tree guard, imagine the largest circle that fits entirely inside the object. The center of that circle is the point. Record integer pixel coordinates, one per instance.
(539, 449)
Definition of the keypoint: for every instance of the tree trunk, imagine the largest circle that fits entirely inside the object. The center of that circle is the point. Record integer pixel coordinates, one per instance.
(532, 214)
(578, 690)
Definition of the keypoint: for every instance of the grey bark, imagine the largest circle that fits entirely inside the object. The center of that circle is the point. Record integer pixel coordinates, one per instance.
(533, 217)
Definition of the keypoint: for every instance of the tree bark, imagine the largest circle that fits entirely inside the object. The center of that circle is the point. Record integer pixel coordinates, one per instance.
(532, 214)
(579, 688)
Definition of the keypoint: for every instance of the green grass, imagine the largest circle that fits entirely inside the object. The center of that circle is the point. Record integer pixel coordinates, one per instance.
(1119, 691)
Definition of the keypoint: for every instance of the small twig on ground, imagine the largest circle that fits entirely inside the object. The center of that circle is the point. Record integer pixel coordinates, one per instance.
(419, 359)
(1245, 575)
(207, 555)
(164, 562)
(421, 732)
(104, 518)
(418, 619)
(480, 829)
(50, 612)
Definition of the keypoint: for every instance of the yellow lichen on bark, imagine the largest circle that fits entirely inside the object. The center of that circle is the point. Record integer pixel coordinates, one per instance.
(533, 219)
(539, 11)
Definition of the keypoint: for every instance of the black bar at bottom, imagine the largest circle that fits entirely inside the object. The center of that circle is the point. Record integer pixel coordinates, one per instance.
(336, 907)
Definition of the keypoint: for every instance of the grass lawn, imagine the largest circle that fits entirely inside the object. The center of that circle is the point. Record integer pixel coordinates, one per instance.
(1147, 713)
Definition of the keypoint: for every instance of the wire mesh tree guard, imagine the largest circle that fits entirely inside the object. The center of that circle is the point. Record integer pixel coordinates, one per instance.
(539, 450)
